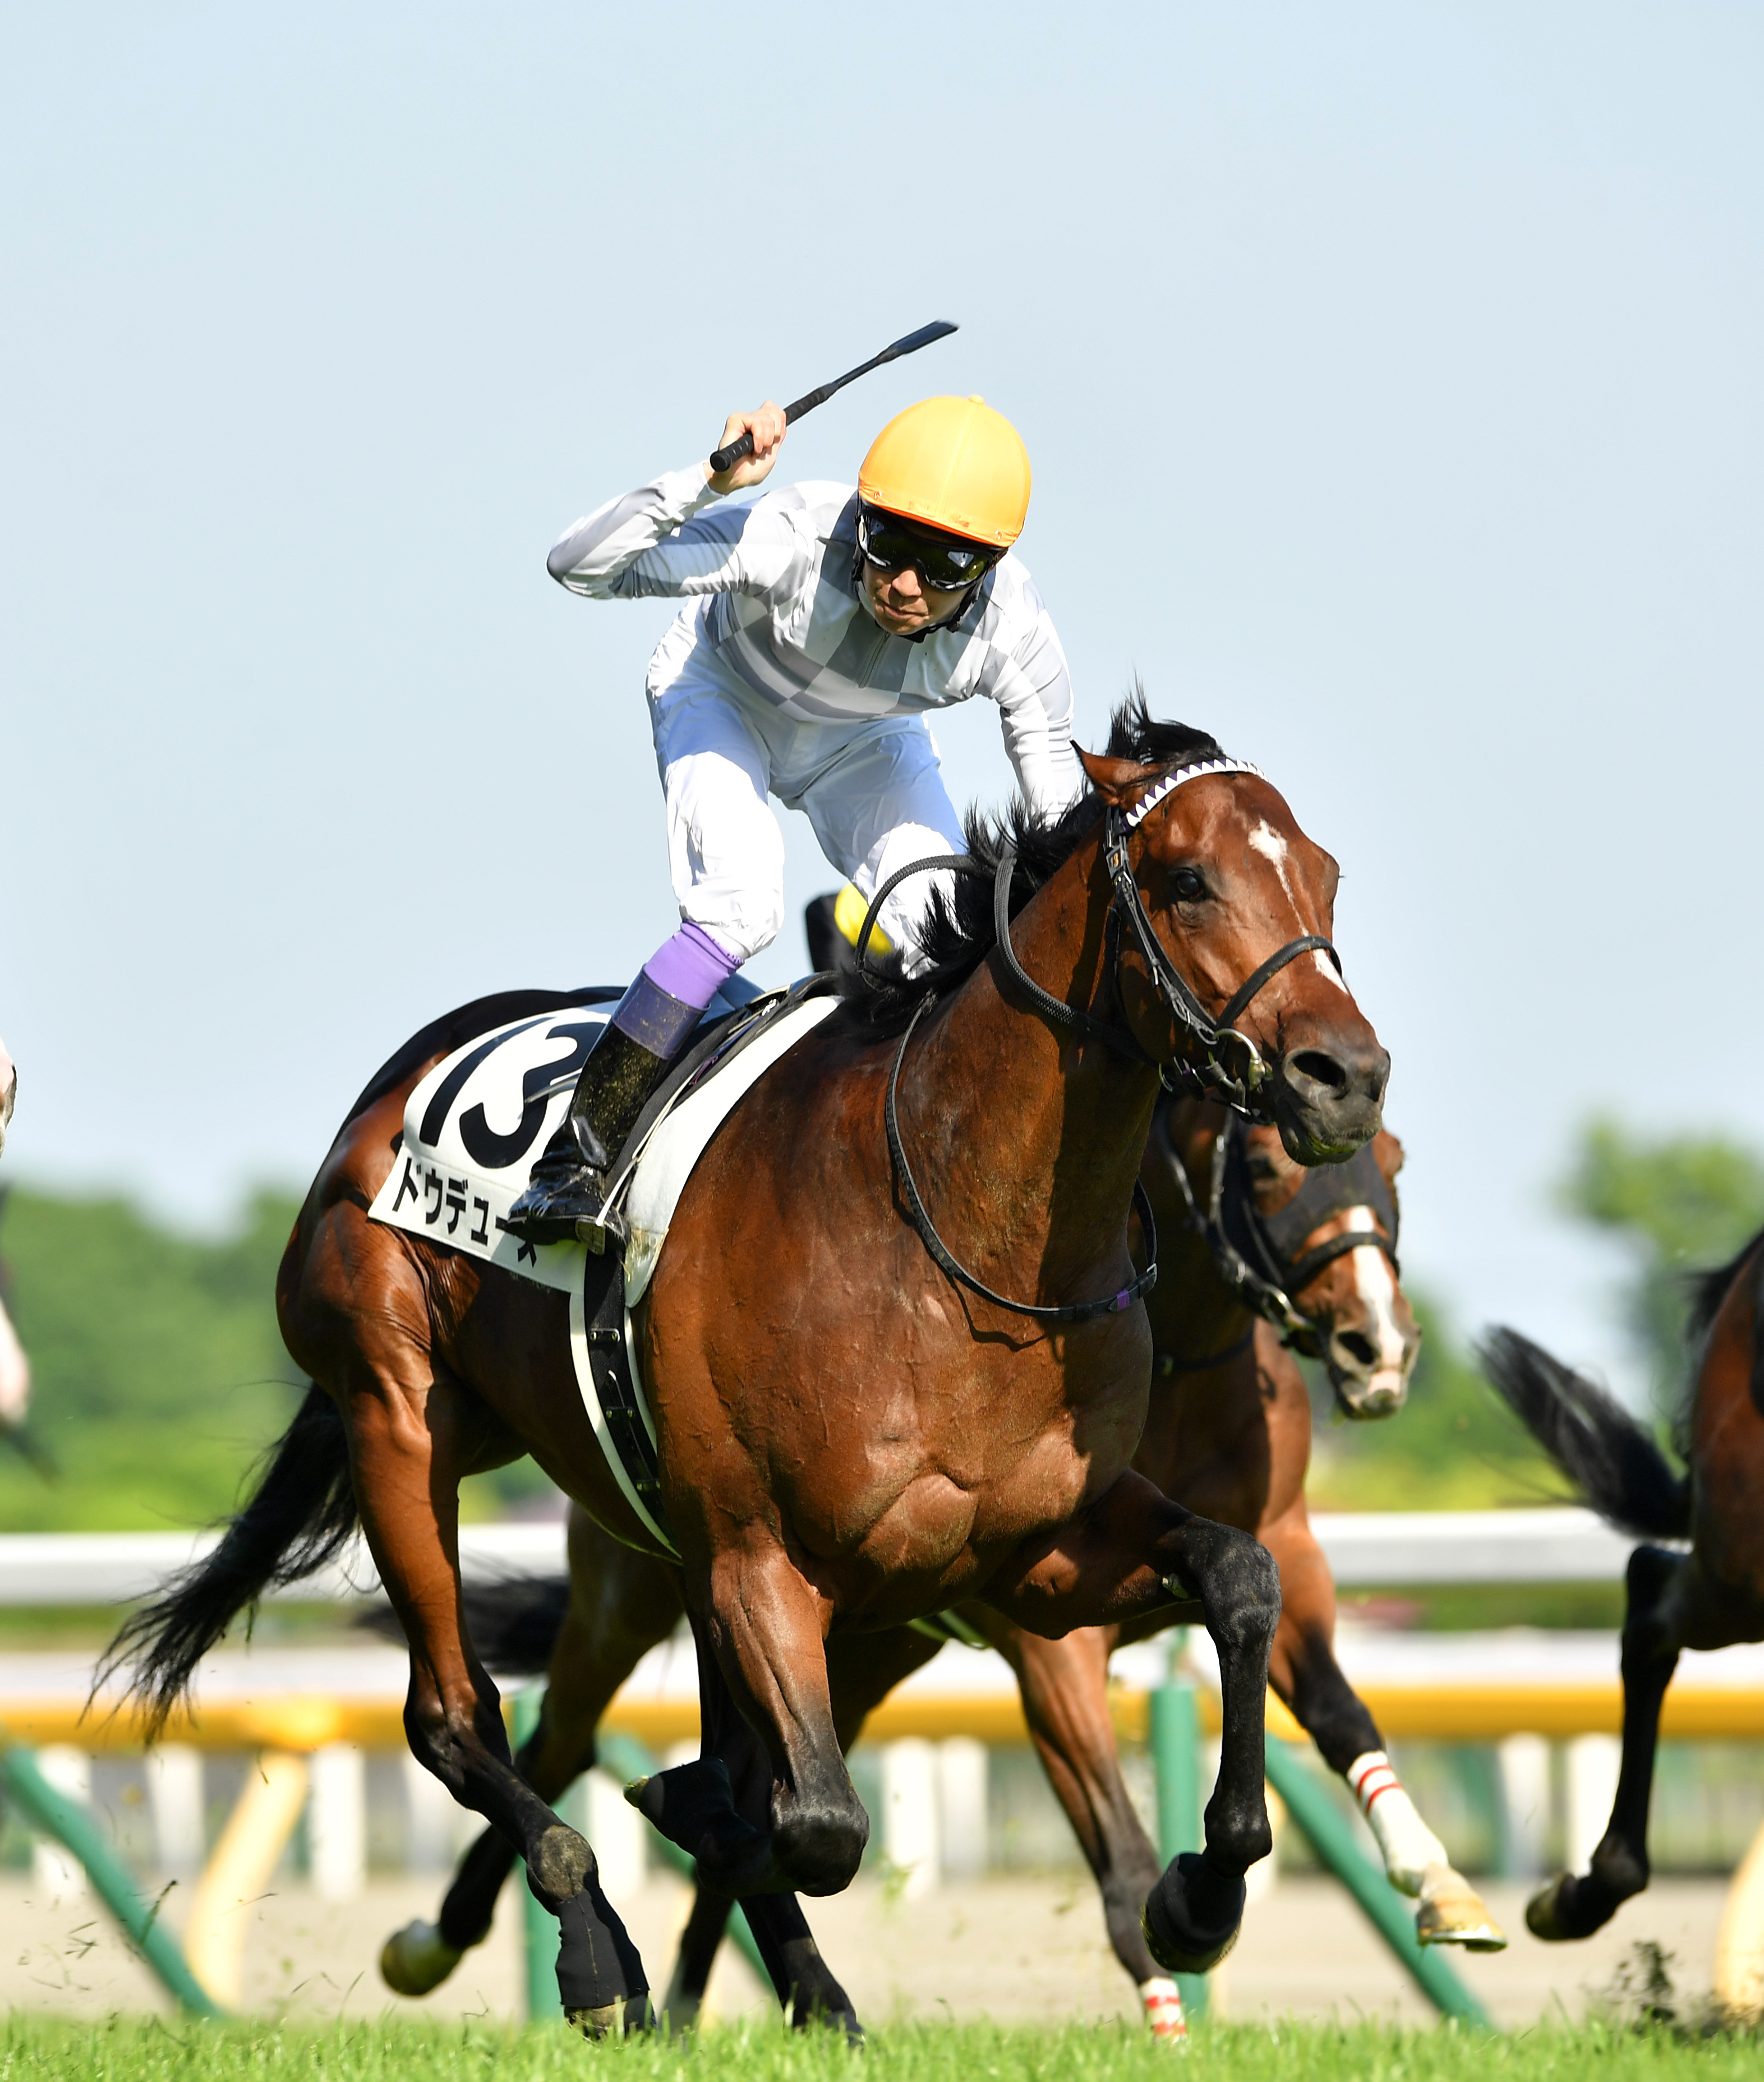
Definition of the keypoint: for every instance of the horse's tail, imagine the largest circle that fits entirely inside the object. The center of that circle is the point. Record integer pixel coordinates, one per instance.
(1610, 1460)
(300, 1515)
(513, 1624)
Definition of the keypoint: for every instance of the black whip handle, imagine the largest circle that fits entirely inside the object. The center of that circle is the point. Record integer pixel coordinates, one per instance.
(722, 459)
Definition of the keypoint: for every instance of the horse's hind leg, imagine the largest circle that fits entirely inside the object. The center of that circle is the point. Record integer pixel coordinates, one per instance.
(406, 1479)
(1064, 1685)
(1130, 1553)
(359, 1318)
(621, 1604)
(1576, 1907)
(1303, 1671)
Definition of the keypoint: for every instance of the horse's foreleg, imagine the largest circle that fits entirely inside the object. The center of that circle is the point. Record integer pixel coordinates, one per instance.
(406, 1421)
(728, 1791)
(1064, 1686)
(1304, 1672)
(762, 1660)
(1132, 1551)
(862, 1669)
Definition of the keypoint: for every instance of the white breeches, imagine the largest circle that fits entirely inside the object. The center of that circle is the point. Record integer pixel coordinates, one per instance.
(872, 791)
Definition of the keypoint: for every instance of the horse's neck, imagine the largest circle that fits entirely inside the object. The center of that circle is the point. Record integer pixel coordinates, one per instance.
(1034, 1137)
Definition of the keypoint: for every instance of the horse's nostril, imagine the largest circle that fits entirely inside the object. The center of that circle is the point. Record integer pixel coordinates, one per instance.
(1358, 1348)
(1321, 1069)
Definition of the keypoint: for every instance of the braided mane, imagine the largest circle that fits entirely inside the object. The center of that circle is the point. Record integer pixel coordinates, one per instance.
(958, 934)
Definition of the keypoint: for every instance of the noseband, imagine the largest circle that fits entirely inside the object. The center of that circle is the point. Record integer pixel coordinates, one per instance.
(1230, 1066)
(1259, 1257)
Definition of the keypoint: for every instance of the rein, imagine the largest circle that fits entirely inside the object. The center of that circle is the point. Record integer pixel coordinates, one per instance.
(1230, 1066)
(1265, 1286)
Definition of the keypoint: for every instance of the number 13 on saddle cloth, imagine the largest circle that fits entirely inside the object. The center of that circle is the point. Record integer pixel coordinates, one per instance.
(472, 1129)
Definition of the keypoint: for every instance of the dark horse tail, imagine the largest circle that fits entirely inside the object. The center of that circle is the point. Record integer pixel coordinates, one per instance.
(300, 1515)
(1610, 1460)
(512, 1624)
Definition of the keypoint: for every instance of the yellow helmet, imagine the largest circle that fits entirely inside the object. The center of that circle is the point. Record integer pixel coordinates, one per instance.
(954, 463)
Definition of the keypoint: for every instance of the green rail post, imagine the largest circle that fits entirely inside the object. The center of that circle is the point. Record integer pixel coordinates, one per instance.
(540, 1938)
(1176, 1760)
(1308, 1803)
(69, 1823)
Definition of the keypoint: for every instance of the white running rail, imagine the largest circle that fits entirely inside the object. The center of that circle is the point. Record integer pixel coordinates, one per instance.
(1367, 1550)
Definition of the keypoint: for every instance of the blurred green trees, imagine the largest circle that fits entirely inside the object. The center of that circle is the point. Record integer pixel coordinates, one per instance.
(1454, 1446)
(160, 1376)
(159, 1373)
(1678, 1204)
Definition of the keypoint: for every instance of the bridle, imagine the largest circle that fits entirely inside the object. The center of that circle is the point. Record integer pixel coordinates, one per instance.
(1259, 1257)
(1230, 1066)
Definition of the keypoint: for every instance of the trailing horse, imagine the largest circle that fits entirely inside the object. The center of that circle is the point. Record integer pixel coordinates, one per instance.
(1711, 1596)
(866, 1411)
(1229, 1434)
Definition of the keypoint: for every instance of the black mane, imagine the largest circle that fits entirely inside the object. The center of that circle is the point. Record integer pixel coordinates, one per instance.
(957, 935)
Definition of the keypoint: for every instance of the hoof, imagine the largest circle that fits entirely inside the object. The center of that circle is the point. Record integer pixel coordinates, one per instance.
(611, 2020)
(1543, 1912)
(692, 1806)
(1192, 1917)
(601, 1985)
(1164, 2012)
(1452, 1912)
(1572, 1907)
(416, 1959)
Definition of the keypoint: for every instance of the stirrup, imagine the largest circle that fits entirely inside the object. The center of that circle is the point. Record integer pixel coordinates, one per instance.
(563, 1202)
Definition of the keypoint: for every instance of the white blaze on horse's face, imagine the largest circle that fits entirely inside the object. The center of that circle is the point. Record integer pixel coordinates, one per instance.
(1272, 846)
(1369, 1361)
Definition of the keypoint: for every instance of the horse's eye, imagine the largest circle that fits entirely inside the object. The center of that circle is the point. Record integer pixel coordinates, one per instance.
(1186, 885)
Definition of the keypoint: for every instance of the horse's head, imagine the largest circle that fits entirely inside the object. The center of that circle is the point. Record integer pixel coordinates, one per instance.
(1328, 1237)
(1227, 966)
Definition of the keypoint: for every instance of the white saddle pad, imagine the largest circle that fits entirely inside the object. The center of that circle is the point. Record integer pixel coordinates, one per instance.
(475, 1125)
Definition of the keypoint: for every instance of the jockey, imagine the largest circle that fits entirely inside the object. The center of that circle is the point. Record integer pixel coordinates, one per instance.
(821, 623)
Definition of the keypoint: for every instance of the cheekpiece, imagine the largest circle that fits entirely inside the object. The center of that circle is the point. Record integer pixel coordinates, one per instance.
(1143, 809)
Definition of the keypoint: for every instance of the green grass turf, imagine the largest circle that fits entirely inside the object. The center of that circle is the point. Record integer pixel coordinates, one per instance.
(130, 2051)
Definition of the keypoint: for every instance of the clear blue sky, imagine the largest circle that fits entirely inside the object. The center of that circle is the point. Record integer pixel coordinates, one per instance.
(1392, 377)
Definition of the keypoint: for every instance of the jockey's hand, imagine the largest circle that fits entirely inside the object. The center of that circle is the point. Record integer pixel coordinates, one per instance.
(767, 428)
(9, 1091)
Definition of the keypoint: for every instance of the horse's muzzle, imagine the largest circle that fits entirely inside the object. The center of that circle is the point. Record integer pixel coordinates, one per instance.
(1327, 1103)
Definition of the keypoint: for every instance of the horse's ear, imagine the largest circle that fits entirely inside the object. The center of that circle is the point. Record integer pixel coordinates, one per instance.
(1119, 781)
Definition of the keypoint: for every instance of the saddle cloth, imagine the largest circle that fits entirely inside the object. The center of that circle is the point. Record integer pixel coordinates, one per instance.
(474, 1127)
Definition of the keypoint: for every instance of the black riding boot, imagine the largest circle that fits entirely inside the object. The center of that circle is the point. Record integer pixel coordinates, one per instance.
(568, 1182)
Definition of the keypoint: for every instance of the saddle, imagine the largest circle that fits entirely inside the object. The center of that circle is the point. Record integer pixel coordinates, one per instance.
(473, 1126)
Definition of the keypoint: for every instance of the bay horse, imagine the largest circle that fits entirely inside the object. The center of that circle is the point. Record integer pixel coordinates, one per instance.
(1229, 1434)
(1709, 1596)
(858, 1424)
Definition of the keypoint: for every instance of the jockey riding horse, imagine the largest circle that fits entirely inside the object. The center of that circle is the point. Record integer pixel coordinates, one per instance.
(820, 624)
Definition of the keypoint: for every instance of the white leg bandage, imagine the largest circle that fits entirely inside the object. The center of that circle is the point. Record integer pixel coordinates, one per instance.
(1409, 1845)
(1163, 2001)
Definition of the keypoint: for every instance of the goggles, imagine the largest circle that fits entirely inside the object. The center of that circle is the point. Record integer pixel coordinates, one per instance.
(947, 563)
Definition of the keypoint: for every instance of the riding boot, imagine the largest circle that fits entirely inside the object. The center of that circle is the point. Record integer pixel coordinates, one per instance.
(566, 1193)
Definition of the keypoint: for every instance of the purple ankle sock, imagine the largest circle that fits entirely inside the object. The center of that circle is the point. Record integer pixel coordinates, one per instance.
(691, 966)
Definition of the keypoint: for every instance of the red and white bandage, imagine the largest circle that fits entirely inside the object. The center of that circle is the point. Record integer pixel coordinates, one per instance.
(1409, 1845)
(1163, 2011)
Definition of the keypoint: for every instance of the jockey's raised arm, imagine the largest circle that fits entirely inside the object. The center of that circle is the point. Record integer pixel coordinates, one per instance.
(821, 624)
(660, 542)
